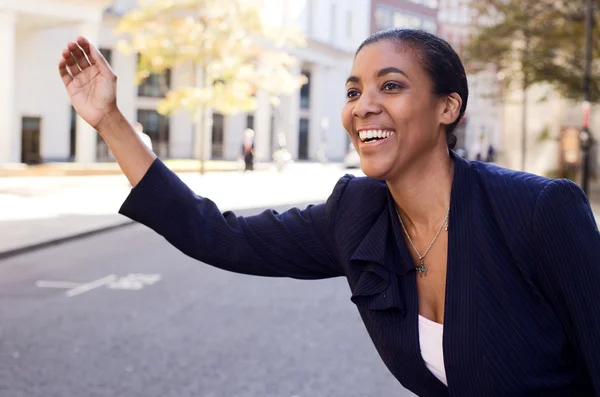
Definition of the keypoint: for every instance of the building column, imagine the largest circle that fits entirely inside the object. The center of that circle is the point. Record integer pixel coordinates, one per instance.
(87, 137)
(9, 133)
(262, 128)
(290, 118)
(318, 119)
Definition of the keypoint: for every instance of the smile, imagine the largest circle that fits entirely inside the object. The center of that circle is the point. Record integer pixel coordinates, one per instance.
(368, 136)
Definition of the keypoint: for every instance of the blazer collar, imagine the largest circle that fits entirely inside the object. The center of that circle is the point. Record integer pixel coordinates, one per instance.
(372, 247)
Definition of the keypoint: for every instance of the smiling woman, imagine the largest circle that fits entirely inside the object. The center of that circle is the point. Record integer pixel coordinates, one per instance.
(471, 279)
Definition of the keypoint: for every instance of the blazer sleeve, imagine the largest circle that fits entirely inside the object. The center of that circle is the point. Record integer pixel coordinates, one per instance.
(296, 243)
(568, 244)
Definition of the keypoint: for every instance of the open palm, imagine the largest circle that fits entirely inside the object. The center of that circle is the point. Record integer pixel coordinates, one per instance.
(89, 80)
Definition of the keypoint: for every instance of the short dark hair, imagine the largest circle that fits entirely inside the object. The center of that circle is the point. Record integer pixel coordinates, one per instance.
(440, 61)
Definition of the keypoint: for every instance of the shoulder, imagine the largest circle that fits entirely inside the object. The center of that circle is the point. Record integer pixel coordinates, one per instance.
(561, 198)
(506, 181)
(352, 188)
(510, 188)
(358, 195)
(511, 195)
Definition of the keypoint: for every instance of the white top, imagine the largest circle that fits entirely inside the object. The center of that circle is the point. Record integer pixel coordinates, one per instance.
(430, 339)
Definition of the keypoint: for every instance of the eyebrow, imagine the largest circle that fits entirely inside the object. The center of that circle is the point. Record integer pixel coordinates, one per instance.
(382, 72)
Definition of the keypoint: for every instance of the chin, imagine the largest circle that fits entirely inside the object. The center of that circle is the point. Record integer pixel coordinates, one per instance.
(376, 169)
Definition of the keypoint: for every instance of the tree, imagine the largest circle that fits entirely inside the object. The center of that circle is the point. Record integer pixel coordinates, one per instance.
(532, 41)
(229, 46)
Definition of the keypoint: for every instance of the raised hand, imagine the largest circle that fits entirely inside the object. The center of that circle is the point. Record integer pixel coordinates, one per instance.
(89, 80)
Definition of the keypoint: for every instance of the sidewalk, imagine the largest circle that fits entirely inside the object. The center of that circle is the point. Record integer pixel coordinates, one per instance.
(112, 168)
(40, 211)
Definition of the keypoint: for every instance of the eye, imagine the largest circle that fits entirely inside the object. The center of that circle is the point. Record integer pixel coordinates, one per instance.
(391, 86)
(352, 93)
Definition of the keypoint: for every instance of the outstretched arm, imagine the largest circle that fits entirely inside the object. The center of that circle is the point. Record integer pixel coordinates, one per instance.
(92, 86)
(296, 243)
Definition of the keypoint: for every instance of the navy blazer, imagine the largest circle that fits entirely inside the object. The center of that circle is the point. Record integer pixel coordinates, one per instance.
(522, 314)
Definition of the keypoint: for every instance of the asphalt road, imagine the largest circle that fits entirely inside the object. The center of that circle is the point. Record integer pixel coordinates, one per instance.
(191, 330)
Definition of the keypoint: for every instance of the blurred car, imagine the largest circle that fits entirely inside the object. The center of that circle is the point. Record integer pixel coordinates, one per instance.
(352, 160)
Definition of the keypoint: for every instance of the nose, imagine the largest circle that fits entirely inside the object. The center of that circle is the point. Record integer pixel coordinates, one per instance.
(366, 105)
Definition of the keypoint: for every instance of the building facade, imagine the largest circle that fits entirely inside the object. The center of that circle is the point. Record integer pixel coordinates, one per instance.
(40, 124)
(32, 98)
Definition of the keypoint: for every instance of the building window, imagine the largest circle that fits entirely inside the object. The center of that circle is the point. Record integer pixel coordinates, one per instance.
(218, 126)
(303, 140)
(403, 20)
(156, 85)
(73, 134)
(156, 126)
(30, 140)
(107, 54)
(305, 92)
(384, 18)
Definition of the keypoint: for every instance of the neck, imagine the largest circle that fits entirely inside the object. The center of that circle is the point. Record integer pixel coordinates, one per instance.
(422, 192)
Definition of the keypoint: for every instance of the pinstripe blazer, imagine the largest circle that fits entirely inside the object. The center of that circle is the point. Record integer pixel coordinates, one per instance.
(522, 315)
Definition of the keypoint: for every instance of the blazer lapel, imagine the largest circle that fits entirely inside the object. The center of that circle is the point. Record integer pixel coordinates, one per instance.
(460, 342)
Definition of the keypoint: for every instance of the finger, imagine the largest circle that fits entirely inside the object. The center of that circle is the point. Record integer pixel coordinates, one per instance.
(86, 47)
(64, 73)
(79, 56)
(71, 62)
(94, 55)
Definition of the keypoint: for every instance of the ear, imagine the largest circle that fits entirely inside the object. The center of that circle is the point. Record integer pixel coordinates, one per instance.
(450, 108)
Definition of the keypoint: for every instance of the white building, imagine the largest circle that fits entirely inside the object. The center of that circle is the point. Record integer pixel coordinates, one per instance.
(38, 124)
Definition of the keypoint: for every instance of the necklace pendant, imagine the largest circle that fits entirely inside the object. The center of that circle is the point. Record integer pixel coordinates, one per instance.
(422, 269)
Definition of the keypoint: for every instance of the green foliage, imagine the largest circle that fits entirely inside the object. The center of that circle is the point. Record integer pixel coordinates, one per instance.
(228, 46)
(533, 41)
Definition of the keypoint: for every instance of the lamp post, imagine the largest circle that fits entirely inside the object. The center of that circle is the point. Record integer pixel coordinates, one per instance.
(587, 139)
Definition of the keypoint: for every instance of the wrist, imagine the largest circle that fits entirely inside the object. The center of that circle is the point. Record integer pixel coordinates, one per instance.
(110, 122)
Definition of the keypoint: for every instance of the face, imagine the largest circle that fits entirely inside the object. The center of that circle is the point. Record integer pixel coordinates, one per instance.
(391, 114)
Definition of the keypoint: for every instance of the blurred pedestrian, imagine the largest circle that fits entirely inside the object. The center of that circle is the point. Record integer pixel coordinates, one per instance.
(139, 129)
(248, 149)
(491, 154)
(471, 279)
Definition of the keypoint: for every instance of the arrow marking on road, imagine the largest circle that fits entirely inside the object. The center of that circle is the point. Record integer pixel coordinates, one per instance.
(90, 286)
(132, 282)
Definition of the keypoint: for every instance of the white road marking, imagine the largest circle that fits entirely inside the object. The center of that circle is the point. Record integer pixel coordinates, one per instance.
(134, 281)
(90, 286)
(56, 284)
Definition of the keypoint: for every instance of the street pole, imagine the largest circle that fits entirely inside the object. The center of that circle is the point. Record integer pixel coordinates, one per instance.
(586, 135)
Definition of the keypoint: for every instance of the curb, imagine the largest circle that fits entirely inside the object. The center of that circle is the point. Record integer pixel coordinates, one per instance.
(60, 240)
(127, 222)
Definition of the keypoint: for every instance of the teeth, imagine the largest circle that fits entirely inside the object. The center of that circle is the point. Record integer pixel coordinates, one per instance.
(368, 134)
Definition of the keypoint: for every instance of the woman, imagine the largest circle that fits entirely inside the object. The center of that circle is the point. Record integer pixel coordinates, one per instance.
(472, 280)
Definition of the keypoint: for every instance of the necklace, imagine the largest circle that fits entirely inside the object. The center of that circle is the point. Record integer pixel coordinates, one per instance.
(422, 269)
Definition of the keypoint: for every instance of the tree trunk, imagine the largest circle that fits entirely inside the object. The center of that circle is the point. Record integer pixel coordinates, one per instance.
(200, 130)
